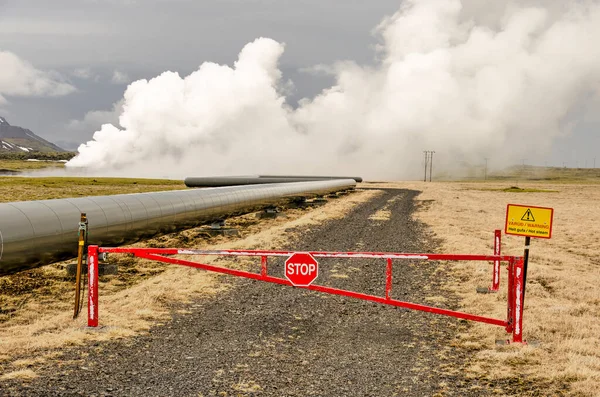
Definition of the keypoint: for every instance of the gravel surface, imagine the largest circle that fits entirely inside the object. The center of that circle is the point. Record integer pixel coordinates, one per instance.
(263, 339)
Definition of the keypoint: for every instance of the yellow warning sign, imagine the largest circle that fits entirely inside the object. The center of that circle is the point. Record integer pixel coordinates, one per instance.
(527, 220)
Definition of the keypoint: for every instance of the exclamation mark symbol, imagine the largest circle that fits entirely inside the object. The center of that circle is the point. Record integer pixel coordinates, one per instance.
(528, 216)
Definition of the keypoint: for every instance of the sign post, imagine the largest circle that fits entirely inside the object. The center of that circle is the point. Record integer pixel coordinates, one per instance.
(301, 269)
(528, 221)
(525, 261)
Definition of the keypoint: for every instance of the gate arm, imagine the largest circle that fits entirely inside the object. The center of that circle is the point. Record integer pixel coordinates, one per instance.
(320, 288)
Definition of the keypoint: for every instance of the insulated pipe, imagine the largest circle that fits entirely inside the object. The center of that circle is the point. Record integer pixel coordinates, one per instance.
(358, 179)
(36, 233)
(255, 180)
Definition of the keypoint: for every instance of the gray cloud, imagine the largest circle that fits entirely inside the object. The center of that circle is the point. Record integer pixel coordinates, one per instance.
(120, 77)
(85, 73)
(20, 78)
(93, 120)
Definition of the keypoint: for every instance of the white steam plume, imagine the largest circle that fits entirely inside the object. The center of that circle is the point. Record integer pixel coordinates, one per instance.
(445, 80)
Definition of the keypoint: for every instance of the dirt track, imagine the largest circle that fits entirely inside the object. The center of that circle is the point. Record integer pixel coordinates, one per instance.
(264, 339)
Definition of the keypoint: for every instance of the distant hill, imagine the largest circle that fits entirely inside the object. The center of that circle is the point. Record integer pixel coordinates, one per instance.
(18, 139)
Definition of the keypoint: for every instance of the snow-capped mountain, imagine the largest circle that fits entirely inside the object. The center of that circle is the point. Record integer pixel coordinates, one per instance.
(18, 139)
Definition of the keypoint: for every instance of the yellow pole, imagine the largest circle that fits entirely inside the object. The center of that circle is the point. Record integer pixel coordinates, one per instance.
(82, 239)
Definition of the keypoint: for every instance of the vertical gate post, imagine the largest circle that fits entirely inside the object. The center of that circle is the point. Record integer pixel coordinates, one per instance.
(518, 301)
(509, 296)
(496, 272)
(93, 286)
(263, 266)
(388, 279)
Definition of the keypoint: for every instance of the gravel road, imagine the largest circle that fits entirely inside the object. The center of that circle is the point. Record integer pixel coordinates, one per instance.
(259, 339)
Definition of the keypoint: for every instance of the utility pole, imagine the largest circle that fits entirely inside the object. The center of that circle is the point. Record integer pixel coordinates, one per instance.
(485, 170)
(594, 162)
(426, 159)
(430, 164)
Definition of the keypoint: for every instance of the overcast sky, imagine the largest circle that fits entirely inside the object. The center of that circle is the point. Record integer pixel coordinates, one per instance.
(79, 55)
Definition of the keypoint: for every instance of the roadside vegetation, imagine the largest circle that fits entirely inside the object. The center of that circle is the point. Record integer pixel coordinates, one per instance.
(562, 304)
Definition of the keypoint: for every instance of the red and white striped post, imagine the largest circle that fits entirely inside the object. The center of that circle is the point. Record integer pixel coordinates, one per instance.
(93, 286)
(496, 272)
(518, 285)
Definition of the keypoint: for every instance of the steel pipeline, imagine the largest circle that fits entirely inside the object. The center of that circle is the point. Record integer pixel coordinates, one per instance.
(255, 180)
(36, 233)
(358, 179)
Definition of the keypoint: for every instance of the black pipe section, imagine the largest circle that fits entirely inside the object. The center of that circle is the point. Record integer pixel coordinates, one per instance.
(36, 233)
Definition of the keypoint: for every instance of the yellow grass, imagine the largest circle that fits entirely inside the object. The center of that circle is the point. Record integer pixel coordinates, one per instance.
(247, 387)
(44, 323)
(23, 374)
(562, 307)
(28, 362)
(24, 165)
(381, 215)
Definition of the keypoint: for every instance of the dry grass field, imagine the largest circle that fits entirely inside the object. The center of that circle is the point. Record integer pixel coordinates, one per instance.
(562, 306)
(16, 165)
(24, 188)
(12, 163)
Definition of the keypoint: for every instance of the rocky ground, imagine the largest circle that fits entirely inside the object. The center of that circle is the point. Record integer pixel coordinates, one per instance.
(269, 340)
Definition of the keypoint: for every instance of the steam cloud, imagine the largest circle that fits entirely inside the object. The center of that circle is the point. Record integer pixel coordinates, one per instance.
(501, 84)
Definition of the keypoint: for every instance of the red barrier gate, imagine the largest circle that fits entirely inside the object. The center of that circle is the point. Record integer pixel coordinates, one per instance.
(513, 323)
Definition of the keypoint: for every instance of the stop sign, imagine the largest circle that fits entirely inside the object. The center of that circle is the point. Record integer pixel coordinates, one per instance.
(301, 269)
